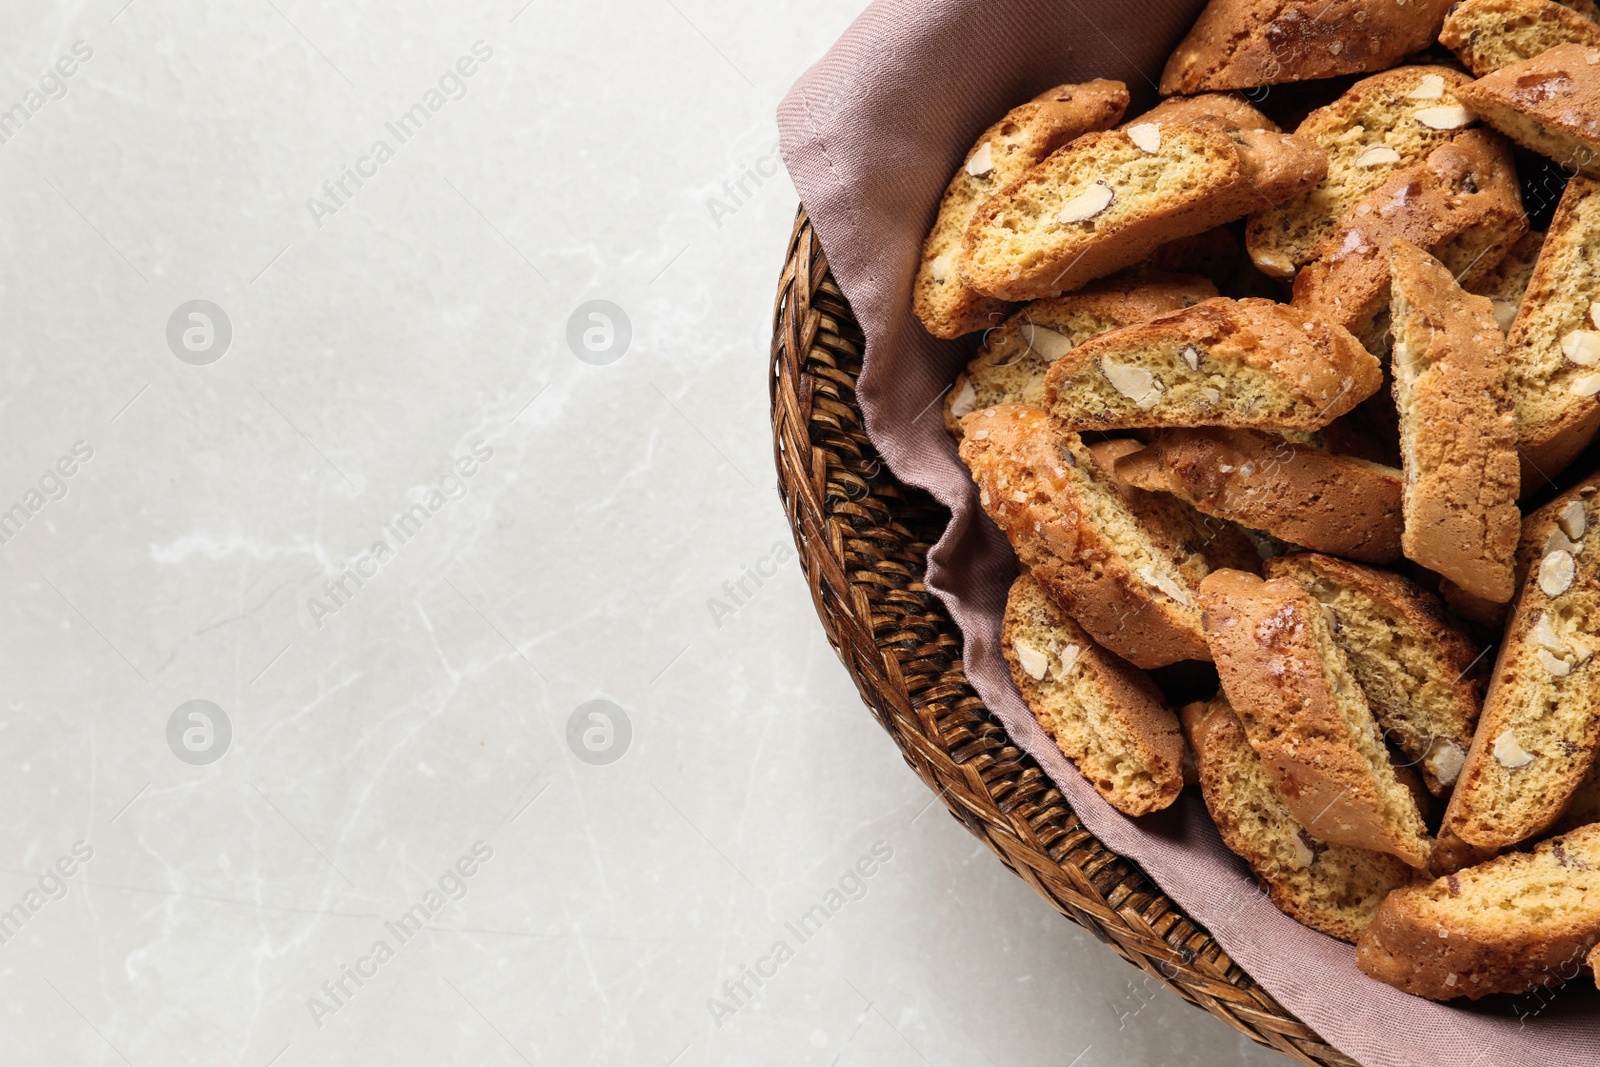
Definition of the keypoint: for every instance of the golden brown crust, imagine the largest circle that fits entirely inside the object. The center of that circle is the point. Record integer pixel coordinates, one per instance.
(1540, 728)
(1549, 104)
(1463, 204)
(1243, 363)
(1554, 342)
(1516, 923)
(1105, 715)
(1489, 34)
(1238, 44)
(1018, 247)
(1296, 492)
(1457, 428)
(1027, 134)
(1011, 364)
(1133, 589)
(1413, 662)
(1332, 888)
(1306, 717)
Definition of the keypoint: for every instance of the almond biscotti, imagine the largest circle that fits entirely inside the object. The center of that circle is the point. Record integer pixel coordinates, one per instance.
(945, 304)
(1554, 342)
(1307, 718)
(1508, 281)
(1293, 490)
(1105, 715)
(1243, 363)
(1413, 662)
(1277, 164)
(1239, 44)
(1540, 727)
(1381, 125)
(1549, 104)
(1463, 204)
(1104, 202)
(1517, 923)
(1489, 34)
(1332, 888)
(1011, 364)
(1130, 583)
(1457, 428)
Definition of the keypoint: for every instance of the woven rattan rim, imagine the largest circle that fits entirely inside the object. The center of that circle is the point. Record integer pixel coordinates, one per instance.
(863, 541)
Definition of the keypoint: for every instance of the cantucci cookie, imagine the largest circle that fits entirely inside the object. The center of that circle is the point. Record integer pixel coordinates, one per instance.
(1010, 367)
(1277, 164)
(1294, 490)
(1243, 363)
(1007, 150)
(1332, 888)
(1382, 124)
(1554, 343)
(1239, 44)
(1413, 663)
(1517, 923)
(1508, 281)
(1104, 202)
(1296, 693)
(1549, 104)
(1463, 204)
(1540, 727)
(1457, 429)
(1105, 715)
(1130, 583)
(1489, 34)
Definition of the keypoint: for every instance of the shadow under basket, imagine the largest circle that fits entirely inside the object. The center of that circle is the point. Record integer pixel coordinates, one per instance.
(863, 541)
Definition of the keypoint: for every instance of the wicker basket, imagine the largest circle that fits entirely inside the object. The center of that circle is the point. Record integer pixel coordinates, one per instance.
(863, 541)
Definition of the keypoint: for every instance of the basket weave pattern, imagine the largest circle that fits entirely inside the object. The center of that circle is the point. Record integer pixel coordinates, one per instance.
(863, 541)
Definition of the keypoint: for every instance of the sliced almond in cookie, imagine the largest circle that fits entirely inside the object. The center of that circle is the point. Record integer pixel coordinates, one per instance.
(1250, 363)
(1413, 663)
(1540, 727)
(1105, 715)
(1332, 888)
(1307, 718)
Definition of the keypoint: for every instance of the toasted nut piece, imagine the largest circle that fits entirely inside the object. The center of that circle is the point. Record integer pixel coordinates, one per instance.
(1582, 347)
(1050, 344)
(1377, 156)
(1558, 667)
(1087, 204)
(1033, 661)
(1135, 383)
(1573, 519)
(965, 400)
(1147, 135)
(982, 162)
(1445, 760)
(1430, 88)
(1445, 117)
(1505, 312)
(1191, 356)
(1556, 572)
(1510, 753)
(1585, 385)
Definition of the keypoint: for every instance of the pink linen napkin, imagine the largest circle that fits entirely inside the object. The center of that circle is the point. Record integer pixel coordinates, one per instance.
(871, 134)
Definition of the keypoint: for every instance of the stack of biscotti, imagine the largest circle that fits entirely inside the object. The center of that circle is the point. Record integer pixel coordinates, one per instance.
(1312, 470)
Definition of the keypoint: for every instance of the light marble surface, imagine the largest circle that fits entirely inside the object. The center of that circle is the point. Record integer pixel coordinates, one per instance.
(381, 734)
